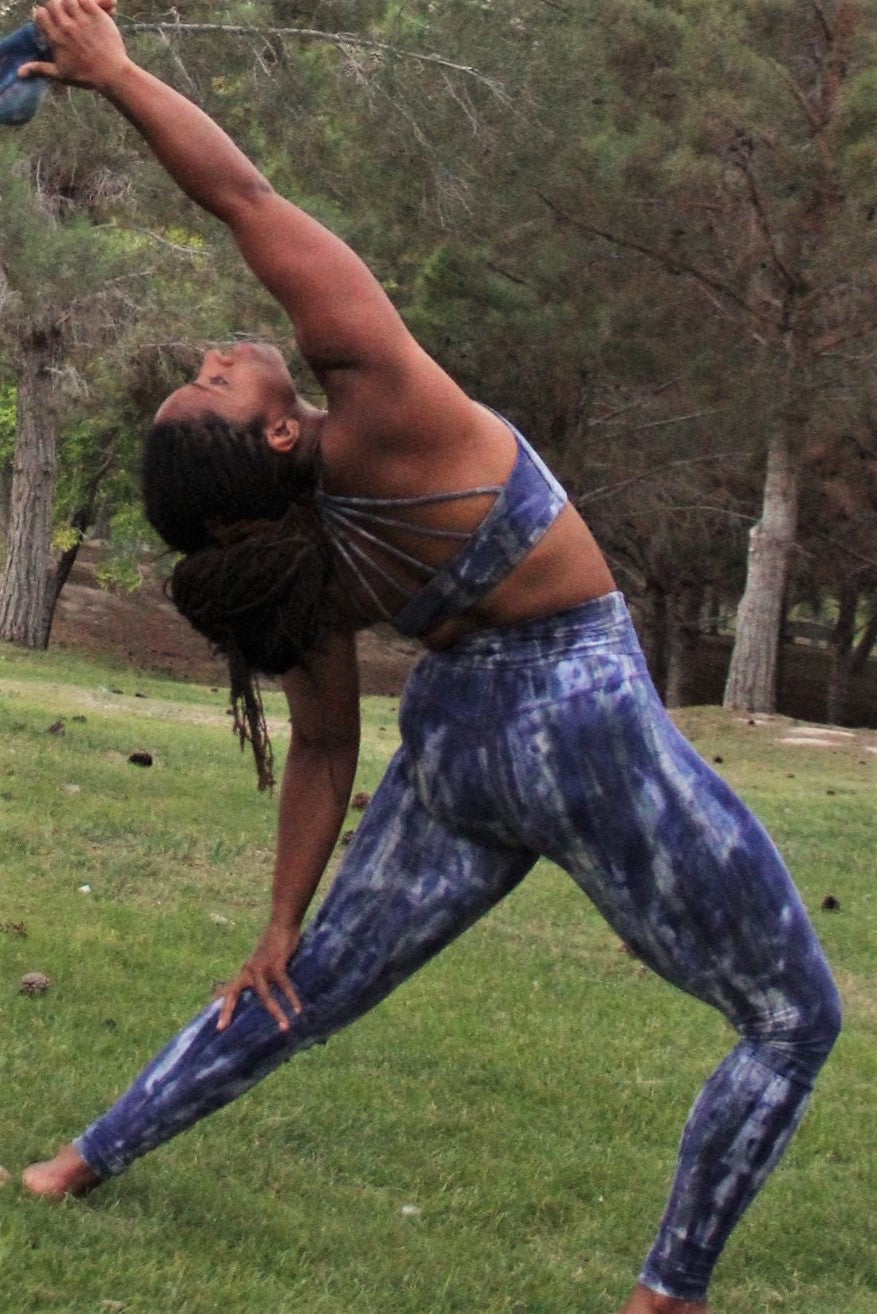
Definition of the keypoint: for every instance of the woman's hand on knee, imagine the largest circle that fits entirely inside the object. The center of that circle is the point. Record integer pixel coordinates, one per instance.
(264, 971)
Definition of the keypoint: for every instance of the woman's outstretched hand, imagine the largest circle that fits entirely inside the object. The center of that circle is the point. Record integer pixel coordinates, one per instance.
(87, 47)
(265, 967)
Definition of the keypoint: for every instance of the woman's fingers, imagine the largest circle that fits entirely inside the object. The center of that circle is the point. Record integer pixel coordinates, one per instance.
(49, 19)
(44, 20)
(229, 997)
(56, 12)
(261, 987)
(270, 1004)
(37, 70)
(288, 989)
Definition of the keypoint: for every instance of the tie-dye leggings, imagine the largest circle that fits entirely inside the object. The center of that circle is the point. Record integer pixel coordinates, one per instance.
(548, 739)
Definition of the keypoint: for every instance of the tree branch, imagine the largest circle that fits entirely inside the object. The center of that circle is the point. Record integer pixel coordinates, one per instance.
(869, 562)
(639, 402)
(822, 20)
(505, 273)
(833, 340)
(727, 512)
(813, 120)
(5, 292)
(676, 419)
(343, 40)
(670, 262)
(717, 306)
(199, 251)
(609, 489)
(744, 165)
(864, 646)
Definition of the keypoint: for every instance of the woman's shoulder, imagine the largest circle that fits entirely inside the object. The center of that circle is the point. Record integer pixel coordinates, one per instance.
(416, 451)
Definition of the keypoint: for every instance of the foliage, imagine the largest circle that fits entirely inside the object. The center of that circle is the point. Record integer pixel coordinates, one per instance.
(119, 565)
(7, 423)
(642, 231)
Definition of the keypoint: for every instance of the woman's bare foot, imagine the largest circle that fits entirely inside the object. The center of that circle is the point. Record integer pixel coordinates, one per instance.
(66, 1174)
(644, 1301)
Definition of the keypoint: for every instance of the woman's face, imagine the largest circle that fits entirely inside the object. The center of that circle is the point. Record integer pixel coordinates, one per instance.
(238, 383)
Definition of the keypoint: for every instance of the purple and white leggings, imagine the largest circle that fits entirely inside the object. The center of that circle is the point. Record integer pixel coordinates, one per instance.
(548, 739)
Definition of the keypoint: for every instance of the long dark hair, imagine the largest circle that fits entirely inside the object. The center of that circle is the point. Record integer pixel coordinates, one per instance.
(258, 566)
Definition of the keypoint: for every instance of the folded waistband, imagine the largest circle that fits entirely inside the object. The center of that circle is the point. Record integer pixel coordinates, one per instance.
(596, 623)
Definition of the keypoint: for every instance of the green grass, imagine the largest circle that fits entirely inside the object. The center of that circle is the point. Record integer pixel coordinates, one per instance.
(524, 1092)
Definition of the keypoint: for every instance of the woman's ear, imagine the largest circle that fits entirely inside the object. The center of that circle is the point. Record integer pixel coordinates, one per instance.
(283, 434)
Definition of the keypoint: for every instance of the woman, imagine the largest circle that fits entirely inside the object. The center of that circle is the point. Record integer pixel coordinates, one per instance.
(529, 727)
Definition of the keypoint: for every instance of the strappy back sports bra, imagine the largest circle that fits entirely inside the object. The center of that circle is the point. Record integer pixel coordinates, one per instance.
(524, 507)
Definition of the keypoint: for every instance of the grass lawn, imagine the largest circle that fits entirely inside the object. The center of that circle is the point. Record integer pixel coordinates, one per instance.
(497, 1136)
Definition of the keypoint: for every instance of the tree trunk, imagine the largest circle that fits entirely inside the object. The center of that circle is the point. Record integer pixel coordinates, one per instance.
(865, 646)
(848, 657)
(25, 617)
(685, 609)
(58, 577)
(79, 522)
(653, 631)
(713, 608)
(837, 694)
(752, 676)
(5, 499)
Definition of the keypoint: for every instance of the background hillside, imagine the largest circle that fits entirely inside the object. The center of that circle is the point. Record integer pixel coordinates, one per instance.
(143, 631)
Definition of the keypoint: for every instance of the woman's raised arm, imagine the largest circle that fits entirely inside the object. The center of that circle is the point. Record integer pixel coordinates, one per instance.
(340, 313)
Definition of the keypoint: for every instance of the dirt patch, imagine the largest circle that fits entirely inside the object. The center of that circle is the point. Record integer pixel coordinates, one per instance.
(144, 631)
(808, 741)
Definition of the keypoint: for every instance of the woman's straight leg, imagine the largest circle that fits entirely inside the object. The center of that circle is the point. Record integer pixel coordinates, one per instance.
(405, 888)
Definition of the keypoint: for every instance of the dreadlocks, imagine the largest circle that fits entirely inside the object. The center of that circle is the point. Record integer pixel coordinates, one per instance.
(256, 576)
(205, 471)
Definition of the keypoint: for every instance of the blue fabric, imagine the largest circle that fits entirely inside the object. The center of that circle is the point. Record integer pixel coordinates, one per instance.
(528, 504)
(548, 738)
(524, 508)
(20, 98)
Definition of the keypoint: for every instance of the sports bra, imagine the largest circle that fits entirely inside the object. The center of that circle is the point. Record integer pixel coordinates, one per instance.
(524, 507)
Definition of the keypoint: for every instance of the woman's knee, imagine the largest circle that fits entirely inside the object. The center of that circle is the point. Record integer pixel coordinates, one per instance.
(797, 1038)
(827, 1023)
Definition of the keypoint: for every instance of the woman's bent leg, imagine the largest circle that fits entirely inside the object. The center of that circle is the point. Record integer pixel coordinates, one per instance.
(406, 887)
(738, 1128)
(563, 745)
(691, 881)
